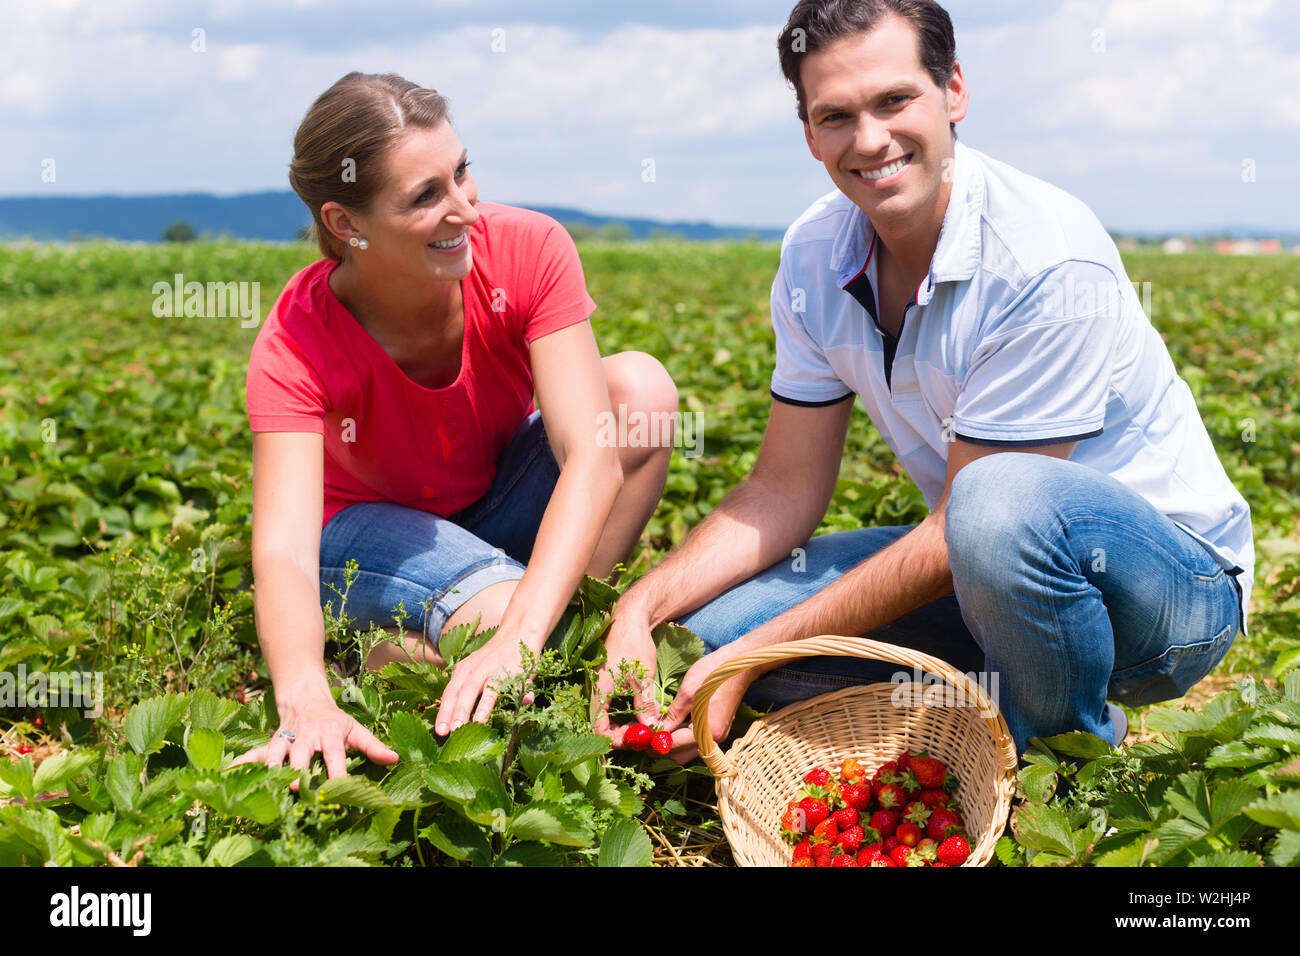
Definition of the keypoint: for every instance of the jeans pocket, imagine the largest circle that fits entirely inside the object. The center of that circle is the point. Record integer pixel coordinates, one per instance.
(1172, 674)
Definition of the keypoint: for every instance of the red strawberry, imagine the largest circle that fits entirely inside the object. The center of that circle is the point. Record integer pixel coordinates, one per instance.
(817, 776)
(803, 849)
(851, 839)
(903, 760)
(802, 861)
(885, 822)
(886, 769)
(900, 855)
(856, 795)
(939, 864)
(954, 851)
(889, 843)
(814, 811)
(935, 798)
(869, 853)
(844, 859)
(891, 797)
(661, 743)
(909, 834)
(822, 854)
(793, 822)
(930, 773)
(23, 749)
(882, 860)
(826, 831)
(848, 817)
(853, 771)
(916, 812)
(942, 822)
(637, 737)
(38, 721)
(927, 850)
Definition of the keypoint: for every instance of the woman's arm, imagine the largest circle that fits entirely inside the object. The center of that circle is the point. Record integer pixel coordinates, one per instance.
(572, 394)
(287, 511)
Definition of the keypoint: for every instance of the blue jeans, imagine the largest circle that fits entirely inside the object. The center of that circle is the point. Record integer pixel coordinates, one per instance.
(432, 565)
(1068, 586)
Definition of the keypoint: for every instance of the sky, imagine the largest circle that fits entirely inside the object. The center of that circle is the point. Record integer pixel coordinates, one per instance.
(1162, 115)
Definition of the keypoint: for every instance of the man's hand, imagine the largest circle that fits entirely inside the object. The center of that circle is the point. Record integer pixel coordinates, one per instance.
(628, 640)
(722, 705)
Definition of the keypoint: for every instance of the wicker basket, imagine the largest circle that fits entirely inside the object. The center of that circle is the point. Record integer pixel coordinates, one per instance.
(763, 770)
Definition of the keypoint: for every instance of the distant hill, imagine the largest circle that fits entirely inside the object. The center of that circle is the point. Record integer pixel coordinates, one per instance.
(275, 215)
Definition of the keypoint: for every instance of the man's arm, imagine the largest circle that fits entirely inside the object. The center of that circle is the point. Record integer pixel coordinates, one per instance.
(776, 509)
(906, 575)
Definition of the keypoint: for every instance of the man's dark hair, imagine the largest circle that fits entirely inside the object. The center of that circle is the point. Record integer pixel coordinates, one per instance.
(816, 24)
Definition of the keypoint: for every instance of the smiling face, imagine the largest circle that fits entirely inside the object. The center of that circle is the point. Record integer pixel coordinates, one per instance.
(418, 225)
(880, 125)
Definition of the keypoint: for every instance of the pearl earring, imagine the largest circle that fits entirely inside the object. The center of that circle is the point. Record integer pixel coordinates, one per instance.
(359, 243)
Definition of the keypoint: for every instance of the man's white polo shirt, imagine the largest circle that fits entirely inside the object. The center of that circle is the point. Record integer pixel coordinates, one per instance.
(1027, 331)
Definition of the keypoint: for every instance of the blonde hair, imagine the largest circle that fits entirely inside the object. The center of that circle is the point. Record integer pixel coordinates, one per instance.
(340, 149)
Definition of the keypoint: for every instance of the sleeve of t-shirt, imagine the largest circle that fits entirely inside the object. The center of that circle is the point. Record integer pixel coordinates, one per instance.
(1041, 372)
(557, 296)
(802, 375)
(284, 393)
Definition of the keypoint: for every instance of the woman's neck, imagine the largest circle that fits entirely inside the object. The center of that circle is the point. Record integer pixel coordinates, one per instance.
(394, 309)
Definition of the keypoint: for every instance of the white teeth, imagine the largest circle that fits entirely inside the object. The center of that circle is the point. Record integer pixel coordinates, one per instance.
(450, 243)
(887, 171)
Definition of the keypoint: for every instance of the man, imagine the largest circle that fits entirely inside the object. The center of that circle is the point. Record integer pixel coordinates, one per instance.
(1083, 540)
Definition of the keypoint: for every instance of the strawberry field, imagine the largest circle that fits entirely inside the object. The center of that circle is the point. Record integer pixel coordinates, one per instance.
(125, 459)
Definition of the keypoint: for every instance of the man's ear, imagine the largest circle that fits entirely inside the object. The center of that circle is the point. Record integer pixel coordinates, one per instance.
(958, 95)
(812, 147)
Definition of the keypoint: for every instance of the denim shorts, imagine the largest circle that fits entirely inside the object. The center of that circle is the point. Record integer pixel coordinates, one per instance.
(429, 565)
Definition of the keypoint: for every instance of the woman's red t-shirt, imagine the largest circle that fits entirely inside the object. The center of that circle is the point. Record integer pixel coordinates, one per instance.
(313, 368)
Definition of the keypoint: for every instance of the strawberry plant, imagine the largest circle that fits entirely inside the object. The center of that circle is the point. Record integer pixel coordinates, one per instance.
(1220, 787)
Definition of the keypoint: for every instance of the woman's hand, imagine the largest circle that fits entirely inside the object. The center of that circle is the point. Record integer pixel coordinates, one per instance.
(317, 724)
(474, 679)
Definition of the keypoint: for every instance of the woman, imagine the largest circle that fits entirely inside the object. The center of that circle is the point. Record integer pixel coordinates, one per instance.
(391, 395)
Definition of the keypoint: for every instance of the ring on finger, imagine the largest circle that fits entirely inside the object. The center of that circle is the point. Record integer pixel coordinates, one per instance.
(288, 735)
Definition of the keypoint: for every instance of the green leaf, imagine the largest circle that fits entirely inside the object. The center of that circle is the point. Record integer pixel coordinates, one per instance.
(1275, 735)
(1037, 782)
(55, 771)
(1044, 827)
(353, 791)
(1280, 810)
(1189, 797)
(458, 838)
(528, 854)
(1078, 744)
(404, 785)
(208, 711)
(1008, 852)
(1239, 755)
(476, 789)
(1174, 836)
(149, 721)
(18, 776)
(1229, 798)
(472, 742)
(1132, 853)
(1286, 848)
(576, 748)
(1228, 858)
(205, 747)
(1291, 685)
(412, 739)
(123, 780)
(232, 850)
(550, 822)
(625, 844)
